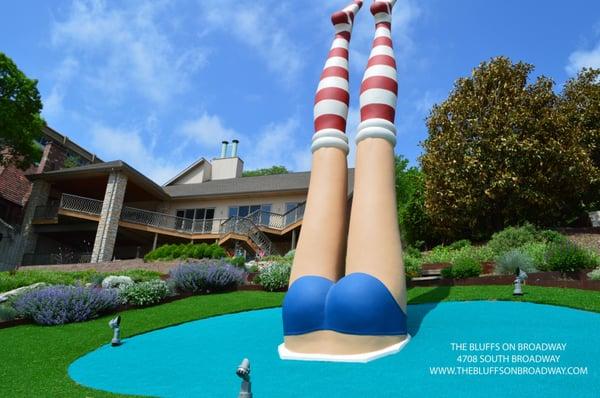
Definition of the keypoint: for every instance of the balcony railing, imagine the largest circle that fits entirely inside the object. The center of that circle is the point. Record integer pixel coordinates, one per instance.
(244, 226)
(81, 204)
(169, 222)
(276, 220)
(247, 226)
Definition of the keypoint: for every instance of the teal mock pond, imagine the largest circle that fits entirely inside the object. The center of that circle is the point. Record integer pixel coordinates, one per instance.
(198, 359)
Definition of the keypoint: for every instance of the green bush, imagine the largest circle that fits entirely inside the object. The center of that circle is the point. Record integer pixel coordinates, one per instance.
(512, 238)
(145, 293)
(7, 312)
(199, 250)
(217, 252)
(442, 254)
(463, 267)
(537, 252)
(10, 281)
(278, 259)
(412, 251)
(459, 244)
(569, 257)
(508, 263)
(412, 266)
(275, 277)
(550, 236)
(290, 254)
(186, 250)
(238, 261)
(594, 275)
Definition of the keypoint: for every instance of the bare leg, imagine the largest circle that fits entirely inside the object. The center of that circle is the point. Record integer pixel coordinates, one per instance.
(322, 244)
(365, 311)
(320, 254)
(374, 246)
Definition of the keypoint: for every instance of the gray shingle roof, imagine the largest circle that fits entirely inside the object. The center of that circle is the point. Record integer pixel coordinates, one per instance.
(290, 182)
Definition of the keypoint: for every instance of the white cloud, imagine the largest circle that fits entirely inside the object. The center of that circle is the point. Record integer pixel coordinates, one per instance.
(260, 26)
(125, 49)
(208, 131)
(583, 59)
(275, 144)
(118, 143)
(53, 103)
(424, 103)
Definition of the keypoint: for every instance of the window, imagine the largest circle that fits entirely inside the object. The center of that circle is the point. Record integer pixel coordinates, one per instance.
(205, 215)
(197, 214)
(256, 211)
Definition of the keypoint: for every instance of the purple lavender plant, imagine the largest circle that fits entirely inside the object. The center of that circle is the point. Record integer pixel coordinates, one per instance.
(205, 276)
(57, 305)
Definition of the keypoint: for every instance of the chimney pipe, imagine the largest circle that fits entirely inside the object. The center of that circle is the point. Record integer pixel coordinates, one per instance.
(234, 146)
(224, 148)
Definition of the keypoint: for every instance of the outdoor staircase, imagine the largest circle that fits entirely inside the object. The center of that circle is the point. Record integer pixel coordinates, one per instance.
(248, 230)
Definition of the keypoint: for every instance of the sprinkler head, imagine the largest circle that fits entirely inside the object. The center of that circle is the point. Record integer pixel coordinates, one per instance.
(243, 370)
(115, 322)
(115, 325)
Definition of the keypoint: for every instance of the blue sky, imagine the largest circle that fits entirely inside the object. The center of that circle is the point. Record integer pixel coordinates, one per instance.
(159, 84)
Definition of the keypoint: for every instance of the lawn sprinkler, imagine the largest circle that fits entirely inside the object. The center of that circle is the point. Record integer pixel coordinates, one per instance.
(243, 371)
(521, 276)
(115, 325)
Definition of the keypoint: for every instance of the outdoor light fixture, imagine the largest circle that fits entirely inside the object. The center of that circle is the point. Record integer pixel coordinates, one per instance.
(115, 325)
(521, 276)
(243, 371)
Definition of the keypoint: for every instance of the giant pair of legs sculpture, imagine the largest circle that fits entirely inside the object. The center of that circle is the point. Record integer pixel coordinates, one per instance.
(363, 314)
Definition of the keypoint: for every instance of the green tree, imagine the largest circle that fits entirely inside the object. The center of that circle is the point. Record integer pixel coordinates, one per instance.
(265, 172)
(500, 152)
(413, 221)
(20, 120)
(580, 104)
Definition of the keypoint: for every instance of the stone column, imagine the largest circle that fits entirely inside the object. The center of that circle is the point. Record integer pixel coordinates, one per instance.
(40, 191)
(106, 235)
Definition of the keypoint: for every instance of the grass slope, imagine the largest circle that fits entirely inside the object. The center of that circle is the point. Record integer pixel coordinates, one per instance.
(35, 358)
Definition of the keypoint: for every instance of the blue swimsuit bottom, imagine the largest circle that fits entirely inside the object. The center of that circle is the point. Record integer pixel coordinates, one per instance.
(357, 304)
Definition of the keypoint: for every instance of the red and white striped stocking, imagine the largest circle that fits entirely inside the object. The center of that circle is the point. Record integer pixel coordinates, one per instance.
(332, 98)
(379, 88)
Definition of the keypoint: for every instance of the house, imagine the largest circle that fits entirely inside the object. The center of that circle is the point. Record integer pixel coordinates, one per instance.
(102, 211)
(57, 152)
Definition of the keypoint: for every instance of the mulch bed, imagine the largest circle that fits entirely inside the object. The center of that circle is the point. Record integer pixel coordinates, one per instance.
(577, 280)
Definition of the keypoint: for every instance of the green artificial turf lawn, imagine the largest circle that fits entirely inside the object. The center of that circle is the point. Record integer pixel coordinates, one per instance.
(35, 358)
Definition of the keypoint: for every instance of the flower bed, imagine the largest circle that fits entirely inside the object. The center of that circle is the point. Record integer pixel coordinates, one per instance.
(59, 304)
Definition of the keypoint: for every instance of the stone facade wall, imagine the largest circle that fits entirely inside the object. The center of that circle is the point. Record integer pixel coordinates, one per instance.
(40, 191)
(106, 235)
